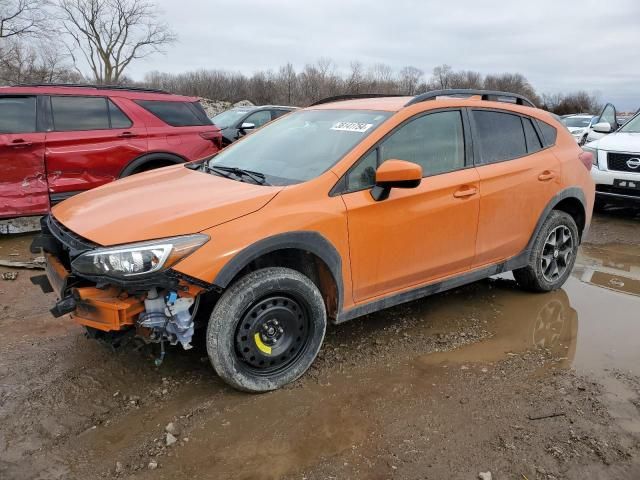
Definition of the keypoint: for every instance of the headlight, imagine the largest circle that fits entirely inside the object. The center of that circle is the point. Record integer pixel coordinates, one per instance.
(594, 152)
(138, 258)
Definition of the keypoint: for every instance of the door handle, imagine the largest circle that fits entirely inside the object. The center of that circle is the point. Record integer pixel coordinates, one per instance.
(19, 142)
(127, 135)
(546, 175)
(465, 192)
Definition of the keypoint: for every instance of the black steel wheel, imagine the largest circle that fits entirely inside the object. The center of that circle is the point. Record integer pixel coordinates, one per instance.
(553, 254)
(272, 334)
(266, 329)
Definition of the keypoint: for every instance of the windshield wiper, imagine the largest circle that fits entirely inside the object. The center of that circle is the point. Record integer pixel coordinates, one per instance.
(257, 177)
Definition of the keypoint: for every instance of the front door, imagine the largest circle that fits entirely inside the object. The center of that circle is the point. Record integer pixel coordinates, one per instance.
(416, 235)
(23, 183)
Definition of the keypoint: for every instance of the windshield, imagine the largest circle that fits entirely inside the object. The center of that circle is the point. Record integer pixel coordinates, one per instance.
(227, 119)
(632, 126)
(577, 122)
(302, 145)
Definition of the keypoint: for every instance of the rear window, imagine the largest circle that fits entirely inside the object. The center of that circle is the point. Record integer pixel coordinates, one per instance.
(79, 113)
(549, 133)
(17, 114)
(177, 114)
(86, 113)
(499, 135)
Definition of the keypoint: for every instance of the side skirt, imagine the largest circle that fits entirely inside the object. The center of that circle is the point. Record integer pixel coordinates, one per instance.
(433, 288)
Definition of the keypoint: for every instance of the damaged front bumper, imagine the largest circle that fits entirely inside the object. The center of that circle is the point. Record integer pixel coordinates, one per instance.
(160, 306)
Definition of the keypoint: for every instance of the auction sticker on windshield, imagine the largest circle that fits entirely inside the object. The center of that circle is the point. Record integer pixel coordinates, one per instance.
(352, 127)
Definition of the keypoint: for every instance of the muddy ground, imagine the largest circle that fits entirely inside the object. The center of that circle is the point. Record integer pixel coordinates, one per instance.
(483, 378)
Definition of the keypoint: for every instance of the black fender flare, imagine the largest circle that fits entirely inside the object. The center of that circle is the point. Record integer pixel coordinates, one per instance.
(570, 192)
(136, 163)
(309, 241)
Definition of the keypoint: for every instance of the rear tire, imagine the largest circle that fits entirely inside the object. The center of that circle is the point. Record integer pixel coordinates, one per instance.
(553, 254)
(266, 329)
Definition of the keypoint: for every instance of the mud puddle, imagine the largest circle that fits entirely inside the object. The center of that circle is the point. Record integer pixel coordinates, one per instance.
(486, 377)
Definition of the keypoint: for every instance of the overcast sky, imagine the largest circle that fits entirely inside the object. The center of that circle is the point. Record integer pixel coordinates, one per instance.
(559, 45)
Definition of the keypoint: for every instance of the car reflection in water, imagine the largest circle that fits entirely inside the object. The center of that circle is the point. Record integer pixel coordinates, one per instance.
(614, 268)
(521, 322)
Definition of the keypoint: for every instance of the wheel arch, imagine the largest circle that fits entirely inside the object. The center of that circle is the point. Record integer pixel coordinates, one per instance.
(571, 200)
(310, 253)
(147, 158)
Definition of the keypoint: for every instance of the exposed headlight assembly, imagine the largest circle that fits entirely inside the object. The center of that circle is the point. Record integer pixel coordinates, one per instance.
(138, 258)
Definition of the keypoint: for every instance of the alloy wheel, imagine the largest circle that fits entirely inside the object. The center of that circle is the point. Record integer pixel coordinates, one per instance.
(556, 253)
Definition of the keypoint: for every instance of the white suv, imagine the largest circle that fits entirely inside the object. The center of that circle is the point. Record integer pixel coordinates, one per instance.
(617, 161)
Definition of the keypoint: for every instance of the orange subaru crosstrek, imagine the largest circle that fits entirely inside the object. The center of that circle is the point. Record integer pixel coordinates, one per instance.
(331, 212)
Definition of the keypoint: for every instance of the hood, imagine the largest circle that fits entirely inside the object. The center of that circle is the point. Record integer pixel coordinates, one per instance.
(160, 203)
(620, 142)
(576, 129)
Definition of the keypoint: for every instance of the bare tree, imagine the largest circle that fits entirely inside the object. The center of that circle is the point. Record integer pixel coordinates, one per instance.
(442, 76)
(21, 18)
(110, 34)
(409, 80)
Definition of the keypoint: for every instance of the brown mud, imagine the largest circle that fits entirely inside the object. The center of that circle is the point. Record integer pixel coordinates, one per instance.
(482, 378)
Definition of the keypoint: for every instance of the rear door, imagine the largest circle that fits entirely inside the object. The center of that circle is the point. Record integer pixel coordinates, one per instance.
(23, 183)
(90, 142)
(518, 177)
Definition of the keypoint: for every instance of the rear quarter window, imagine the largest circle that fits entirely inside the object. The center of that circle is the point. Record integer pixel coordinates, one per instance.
(177, 114)
(549, 133)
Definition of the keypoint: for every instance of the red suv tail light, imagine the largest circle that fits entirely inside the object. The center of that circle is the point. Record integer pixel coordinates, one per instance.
(215, 137)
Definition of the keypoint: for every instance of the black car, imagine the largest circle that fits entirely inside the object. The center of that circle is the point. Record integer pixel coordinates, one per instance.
(239, 121)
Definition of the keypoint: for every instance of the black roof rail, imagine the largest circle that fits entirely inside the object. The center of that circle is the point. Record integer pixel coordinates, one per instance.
(355, 96)
(98, 87)
(463, 92)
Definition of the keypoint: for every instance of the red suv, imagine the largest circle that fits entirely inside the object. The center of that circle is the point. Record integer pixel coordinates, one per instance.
(59, 140)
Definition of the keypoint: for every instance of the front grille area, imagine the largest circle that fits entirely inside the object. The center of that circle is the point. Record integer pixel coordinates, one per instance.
(631, 192)
(63, 243)
(618, 162)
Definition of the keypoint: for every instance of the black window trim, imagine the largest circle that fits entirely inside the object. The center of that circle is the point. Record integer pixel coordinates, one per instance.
(38, 125)
(340, 187)
(534, 122)
(51, 127)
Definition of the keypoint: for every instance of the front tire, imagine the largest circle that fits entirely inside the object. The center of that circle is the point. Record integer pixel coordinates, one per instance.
(553, 254)
(266, 329)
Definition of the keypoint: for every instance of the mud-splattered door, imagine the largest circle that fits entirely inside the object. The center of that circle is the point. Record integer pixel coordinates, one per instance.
(23, 184)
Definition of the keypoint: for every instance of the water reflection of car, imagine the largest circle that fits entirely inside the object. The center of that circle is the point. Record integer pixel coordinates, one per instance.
(615, 269)
(580, 126)
(524, 323)
(239, 121)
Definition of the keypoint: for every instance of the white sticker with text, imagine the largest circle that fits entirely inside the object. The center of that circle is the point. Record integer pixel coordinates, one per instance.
(352, 127)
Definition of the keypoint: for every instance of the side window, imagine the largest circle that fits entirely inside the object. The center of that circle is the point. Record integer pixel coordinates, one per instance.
(530, 134)
(609, 116)
(118, 118)
(259, 118)
(500, 136)
(17, 114)
(177, 114)
(363, 175)
(79, 113)
(549, 133)
(434, 141)
(278, 113)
